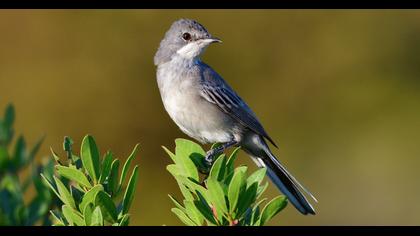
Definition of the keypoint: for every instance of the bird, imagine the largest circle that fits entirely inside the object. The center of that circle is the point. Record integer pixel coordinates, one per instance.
(206, 108)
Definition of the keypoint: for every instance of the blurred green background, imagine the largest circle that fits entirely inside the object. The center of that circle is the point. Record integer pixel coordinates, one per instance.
(338, 90)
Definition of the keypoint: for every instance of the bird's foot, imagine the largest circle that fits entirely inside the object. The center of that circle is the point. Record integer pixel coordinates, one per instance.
(208, 162)
(212, 155)
(209, 159)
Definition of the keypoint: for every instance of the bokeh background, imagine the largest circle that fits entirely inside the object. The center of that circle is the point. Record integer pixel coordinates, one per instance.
(338, 90)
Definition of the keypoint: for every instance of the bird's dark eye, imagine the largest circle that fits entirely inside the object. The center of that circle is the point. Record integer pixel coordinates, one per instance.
(186, 36)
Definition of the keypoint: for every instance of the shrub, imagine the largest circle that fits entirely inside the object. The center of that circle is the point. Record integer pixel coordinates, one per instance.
(13, 210)
(92, 194)
(89, 190)
(226, 196)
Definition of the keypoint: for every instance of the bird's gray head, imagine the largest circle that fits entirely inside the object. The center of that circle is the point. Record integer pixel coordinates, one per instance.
(186, 38)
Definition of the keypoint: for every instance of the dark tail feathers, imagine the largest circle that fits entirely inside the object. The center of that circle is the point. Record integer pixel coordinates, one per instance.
(286, 183)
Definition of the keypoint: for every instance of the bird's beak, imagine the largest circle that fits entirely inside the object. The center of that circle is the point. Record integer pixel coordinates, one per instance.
(212, 40)
(215, 40)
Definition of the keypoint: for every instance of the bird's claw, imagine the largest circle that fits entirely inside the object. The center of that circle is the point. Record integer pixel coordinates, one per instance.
(209, 159)
(208, 162)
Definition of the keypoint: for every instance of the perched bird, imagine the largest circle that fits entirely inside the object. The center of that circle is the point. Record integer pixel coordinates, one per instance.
(207, 109)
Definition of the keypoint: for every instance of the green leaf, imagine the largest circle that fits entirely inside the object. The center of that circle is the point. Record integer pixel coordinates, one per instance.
(57, 218)
(77, 192)
(87, 214)
(6, 127)
(261, 189)
(231, 160)
(170, 154)
(4, 158)
(246, 199)
(72, 216)
(67, 145)
(41, 188)
(113, 178)
(197, 155)
(199, 161)
(184, 148)
(90, 195)
(74, 174)
(192, 185)
(177, 204)
(20, 152)
(193, 213)
(77, 161)
(185, 192)
(272, 208)
(217, 171)
(229, 177)
(9, 116)
(255, 217)
(183, 217)
(107, 206)
(97, 219)
(50, 185)
(131, 188)
(187, 147)
(35, 149)
(58, 224)
(65, 195)
(173, 169)
(205, 209)
(36, 209)
(106, 167)
(217, 196)
(55, 156)
(256, 177)
(90, 157)
(48, 169)
(127, 164)
(10, 183)
(236, 186)
(125, 220)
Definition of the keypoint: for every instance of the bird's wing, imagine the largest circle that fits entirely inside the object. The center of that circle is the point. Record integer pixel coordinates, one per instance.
(215, 90)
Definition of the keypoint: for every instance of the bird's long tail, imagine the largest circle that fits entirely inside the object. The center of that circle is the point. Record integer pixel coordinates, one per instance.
(285, 182)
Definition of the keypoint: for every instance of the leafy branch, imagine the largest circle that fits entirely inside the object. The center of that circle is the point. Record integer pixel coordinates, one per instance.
(227, 196)
(86, 189)
(92, 191)
(13, 210)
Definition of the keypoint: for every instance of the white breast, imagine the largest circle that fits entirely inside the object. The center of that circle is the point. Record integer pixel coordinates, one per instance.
(194, 115)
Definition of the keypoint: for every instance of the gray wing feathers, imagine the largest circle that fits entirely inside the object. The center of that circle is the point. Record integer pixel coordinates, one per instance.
(215, 90)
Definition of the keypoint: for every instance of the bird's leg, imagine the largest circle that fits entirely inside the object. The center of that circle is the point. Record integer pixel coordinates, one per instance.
(213, 152)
